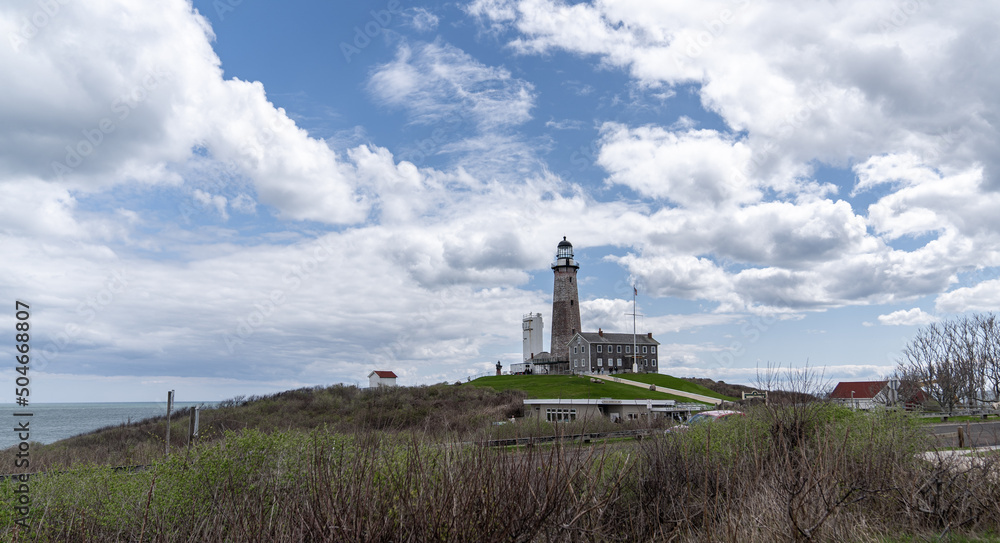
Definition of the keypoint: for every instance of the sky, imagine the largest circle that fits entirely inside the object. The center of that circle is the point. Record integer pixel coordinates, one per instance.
(236, 197)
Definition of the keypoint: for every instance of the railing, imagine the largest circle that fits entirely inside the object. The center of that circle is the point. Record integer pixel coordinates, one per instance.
(585, 438)
(484, 374)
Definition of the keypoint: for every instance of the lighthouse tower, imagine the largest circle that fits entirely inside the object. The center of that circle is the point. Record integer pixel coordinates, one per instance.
(565, 301)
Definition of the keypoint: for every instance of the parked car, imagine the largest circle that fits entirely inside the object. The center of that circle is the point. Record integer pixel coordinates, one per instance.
(712, 416)
(705, 417)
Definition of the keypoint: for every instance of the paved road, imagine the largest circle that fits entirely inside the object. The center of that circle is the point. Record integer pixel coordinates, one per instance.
(982, 433)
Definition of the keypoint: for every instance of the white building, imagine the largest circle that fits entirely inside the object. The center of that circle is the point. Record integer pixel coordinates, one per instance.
(380, 378)
(531, 326)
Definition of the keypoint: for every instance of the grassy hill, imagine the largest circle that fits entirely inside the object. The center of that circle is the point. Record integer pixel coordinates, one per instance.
(573, 387)
(675, 383)
(435, 409)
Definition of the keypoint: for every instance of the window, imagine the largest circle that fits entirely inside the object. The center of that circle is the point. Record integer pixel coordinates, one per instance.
(598, 348)
(628, 349)
(574, 362)
(653, 349)
(654, 361)
(560, 414)
(643, 349)
(583, 348)
(619, 362)
(574, 350)
(600, 362)
(619, 348)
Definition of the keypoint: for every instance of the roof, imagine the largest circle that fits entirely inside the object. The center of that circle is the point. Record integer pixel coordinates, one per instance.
(599, 401)
(383, 374)
(608, 337)
(860, 389)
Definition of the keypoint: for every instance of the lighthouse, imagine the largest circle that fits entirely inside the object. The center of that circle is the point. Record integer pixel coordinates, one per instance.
(565, 301)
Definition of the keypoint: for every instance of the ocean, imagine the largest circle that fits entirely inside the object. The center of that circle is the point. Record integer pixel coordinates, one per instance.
(51, 422)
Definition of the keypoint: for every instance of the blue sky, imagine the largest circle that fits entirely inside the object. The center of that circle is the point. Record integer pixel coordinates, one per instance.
(234, 197)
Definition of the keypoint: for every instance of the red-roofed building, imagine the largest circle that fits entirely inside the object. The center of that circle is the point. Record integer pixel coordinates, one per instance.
(381, 378)
(861, 394)
(868, 394)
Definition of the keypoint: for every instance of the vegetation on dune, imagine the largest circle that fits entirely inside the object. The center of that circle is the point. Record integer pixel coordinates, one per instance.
(442, 409)
(803, 472)
(570, 387)
(723, 388)
(668, 381)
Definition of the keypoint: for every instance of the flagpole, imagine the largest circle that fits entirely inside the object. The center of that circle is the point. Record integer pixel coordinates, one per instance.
(635, 357)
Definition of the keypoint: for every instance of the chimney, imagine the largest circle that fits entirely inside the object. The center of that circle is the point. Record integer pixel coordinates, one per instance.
(600, 332)
(649, 335)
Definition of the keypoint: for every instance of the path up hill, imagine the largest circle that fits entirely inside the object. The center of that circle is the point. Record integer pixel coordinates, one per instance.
(574, 387)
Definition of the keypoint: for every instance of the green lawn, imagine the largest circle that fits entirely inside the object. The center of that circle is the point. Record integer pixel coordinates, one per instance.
(570, 387)
(675, 383)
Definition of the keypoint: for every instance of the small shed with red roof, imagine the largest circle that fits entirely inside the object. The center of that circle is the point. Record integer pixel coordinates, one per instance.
(381, 378)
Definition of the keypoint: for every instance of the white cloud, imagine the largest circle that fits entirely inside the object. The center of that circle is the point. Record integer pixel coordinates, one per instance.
(863, 86)
(564, 124)
(615, 315)
(218, 202)
(927, 201)
(441, 84)
(141, 92)
(423, 20)
(694, 168)
(984, 296)
(907, 317)
(751, 227)
(244, 203)
(493, 15)
(472, 110)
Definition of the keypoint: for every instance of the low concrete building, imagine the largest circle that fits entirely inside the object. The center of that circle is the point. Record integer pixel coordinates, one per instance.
(559, 410)
(380, 378)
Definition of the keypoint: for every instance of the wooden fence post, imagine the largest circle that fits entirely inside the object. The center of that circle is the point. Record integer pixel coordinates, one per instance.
(193, 426)
(170, 405)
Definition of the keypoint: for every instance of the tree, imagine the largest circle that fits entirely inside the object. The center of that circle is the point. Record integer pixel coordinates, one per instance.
(927, 359)
(989, 333)
(963, 342)
(954, 360)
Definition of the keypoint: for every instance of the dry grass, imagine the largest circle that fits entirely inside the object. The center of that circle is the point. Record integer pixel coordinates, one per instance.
(809, 472)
